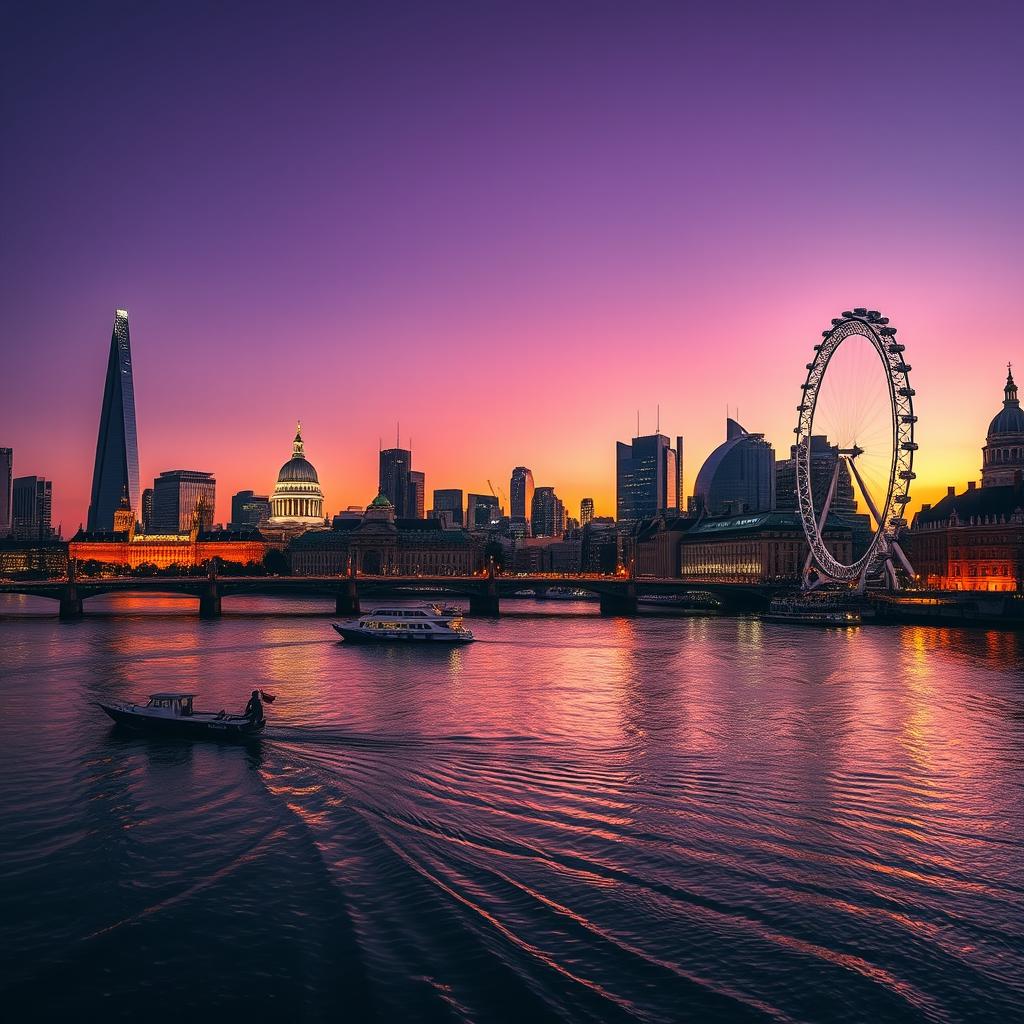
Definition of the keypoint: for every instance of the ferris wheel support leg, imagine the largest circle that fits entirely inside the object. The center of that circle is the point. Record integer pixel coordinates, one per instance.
(821, 526)
(904, 561)
(890, 573)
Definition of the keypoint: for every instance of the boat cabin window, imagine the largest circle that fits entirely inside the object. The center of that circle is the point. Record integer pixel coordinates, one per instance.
(186, 705)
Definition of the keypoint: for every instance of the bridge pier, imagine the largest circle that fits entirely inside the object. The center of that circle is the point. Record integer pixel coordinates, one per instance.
(70, 608)
(347, 599)
(485, 601)
(209, 606)
(621, 602)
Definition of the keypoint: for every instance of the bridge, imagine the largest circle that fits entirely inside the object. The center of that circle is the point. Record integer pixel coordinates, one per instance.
(617, 594)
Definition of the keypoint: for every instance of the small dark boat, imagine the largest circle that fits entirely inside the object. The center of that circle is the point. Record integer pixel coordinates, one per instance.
(173, 714)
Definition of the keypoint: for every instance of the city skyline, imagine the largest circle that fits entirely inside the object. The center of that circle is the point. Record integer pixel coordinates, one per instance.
(615, 188)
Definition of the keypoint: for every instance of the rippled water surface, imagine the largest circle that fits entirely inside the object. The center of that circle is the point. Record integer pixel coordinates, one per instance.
(576, 818)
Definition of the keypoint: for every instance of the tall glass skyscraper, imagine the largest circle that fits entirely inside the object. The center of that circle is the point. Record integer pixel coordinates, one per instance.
(117, 450)
(395, 470)
(646, 478)
(520, 493)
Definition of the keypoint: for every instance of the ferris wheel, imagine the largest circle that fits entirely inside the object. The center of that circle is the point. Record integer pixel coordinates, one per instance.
(857, 397)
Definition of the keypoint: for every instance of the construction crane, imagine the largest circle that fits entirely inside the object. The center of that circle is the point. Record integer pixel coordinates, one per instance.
(500, 495)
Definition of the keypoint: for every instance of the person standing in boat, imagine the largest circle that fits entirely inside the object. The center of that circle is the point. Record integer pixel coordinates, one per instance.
(254, 709)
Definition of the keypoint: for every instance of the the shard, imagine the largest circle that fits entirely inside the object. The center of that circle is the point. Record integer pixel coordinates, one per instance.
(117, 452)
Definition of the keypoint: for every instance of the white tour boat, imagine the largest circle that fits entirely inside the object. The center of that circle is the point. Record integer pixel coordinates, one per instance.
(419, 624)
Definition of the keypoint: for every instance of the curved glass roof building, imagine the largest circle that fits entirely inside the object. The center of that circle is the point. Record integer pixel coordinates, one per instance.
(738, 476)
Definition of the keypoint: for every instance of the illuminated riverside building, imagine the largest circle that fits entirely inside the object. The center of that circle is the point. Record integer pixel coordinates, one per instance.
(738, 476)
(116, 469)
(177, 493)
(297, 502)
(769, 547)
(975, 540)
(127, 546)
(646, 478)
(381, 544)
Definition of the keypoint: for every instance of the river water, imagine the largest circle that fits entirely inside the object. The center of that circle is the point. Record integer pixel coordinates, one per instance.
(576, 818)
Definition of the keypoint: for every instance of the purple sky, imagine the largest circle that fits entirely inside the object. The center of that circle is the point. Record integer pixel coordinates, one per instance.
(508, 225)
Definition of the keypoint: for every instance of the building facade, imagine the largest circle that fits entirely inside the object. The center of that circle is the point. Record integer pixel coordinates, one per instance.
(125, 545)
(249, 509)
(394, 479)
(31, 508)
(768, 547)
(147, 509)
(380, 544)
(646, 478)
(586, 510)
(449, 500)
(6, 483)
(482, 511)
(417, 504)
(737, 477)
(177, 494)
(35, 558)
(823, 463)
(297, 502)
(547, 517)
(520, 496)
(116, 469)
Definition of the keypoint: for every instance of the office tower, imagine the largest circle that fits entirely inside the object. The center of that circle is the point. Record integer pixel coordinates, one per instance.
(6, 477)
(481, 511)
(395, 467)
(249, 509)
(176, 496)
(738, 476)
(117, 454)
(586, 511)
(147, 509)
(646, 478)
(680, 486)
(520, 493)
(32, 508)
(450, 500)
(823, 463)
(547, 514)
(416, 508)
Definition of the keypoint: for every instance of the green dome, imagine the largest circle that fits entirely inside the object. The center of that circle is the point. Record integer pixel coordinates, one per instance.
(381, 501)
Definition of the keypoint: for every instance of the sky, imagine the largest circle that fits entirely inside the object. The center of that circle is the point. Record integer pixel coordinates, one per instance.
(507, 226)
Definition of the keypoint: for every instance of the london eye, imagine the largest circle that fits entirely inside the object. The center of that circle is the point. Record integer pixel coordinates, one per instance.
(857, 395)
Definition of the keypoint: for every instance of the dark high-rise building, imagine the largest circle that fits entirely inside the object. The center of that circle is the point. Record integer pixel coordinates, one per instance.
(586, 511)
(646, 478)
(395, 467)
(147, 509)
(117, 452)
(823, 464)
(417, 507)
(32, 508)
(249, 509)
(738, 476)
(176, 496)
(680, 486)
(6, 477)
(520, 493)
(481, 511)
(547, 514)
(449, 500)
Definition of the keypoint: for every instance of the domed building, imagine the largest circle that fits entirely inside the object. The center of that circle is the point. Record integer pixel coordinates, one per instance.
(1003, 454)
(297, 501)
(738, 476)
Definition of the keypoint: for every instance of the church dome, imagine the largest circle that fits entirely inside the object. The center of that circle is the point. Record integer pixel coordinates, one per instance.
(297, 500)
(381, 501)
(1009, 419)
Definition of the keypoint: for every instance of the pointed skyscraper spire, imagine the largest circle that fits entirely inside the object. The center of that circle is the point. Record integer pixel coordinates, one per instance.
(116, 470)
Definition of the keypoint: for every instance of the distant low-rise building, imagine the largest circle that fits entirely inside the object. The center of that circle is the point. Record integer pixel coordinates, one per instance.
(249, 509)
(379, 544)
(43, 558)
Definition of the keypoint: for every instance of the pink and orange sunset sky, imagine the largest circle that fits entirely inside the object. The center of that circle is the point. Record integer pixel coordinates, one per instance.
(508, 226)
